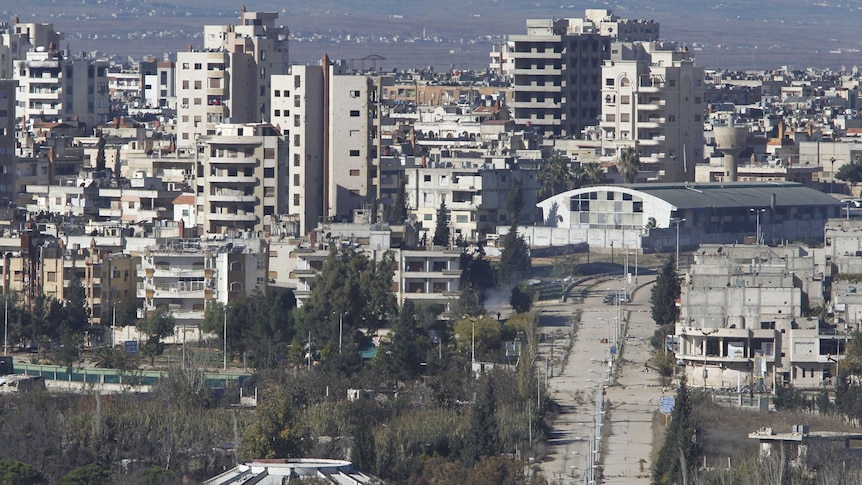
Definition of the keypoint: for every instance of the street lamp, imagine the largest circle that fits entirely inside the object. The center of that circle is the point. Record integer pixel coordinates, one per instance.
(677, 221)
(6, 325)
(757, 213)
(832, 175)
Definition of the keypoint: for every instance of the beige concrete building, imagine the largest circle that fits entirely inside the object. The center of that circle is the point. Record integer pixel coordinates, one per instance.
(297, 109)
(55, 87)
(229, 80)
(185, 275)
(652, 101)
(242, 179)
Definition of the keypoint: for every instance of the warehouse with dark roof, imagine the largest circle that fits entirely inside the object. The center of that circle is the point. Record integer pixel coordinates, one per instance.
(647, 215)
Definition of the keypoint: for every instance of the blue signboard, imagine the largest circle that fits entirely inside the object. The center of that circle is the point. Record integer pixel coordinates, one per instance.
(131, 346)
(613, 350)
(666, 405)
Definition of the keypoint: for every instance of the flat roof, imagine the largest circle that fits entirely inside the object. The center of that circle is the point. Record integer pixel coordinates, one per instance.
(737, 194)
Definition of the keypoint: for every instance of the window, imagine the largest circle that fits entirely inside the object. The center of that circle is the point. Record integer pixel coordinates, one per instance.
(609, 81)
(236, 286)
(696, 117)
(296, 100)
(197, 101)
(671, 118)
(671, 82)
(198, 66)
(354, 172)
(277, 93)
(277, 112)
(625, 117)
(186, 84)
(697, 100)
(354, 153)
(297, 81)
(625, 99)
(52, 276)
(296, 180)
(296, 140)
(354, 94)
(296, 120)
(296, 159)
(426, 178)
(354, 113)
(295, 199)
(185, 65)
(198, 84)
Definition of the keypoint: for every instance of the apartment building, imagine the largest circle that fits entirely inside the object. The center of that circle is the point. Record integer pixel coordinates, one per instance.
(742, 318)
(431, 275)
(7, 141)
(556, 77)
(20, 37)
(185, 275)
(297, 109)
(55, 87)
(158, 84)
(474, 186)
(652, 101)
(229, 80)
(242, 178)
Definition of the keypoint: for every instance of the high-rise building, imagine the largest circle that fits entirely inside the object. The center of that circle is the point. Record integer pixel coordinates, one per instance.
(556, 77)
(297, 109)
(7, 142)
(556, 68)
(331, 120)
(652, 101)
(229, 80)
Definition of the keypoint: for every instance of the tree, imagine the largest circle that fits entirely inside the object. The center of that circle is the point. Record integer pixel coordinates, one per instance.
(441, 228)
(851, 172)
(77, 315)
(86, 475)
(515, 257)
(486, 332)
(349, 292)
(664, 294)
(483, 437)
(521, 300)
(629, 164)
(409, 345)
(681, 450)
(158, 325)
(157, 476)
(16, 473)
(397, 213)
(555, 177)
(274, 432)
(515, 202)
(593, 173)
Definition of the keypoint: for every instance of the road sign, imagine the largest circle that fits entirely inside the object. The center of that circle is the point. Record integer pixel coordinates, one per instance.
(666, 405)
(131, 346)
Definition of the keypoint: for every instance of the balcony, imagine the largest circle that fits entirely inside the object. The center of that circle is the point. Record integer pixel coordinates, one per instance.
(232, 217)
(233, 160)
(232, 179)
(232, 198)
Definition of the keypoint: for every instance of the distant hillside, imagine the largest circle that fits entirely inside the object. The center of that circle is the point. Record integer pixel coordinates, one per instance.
(734, 33)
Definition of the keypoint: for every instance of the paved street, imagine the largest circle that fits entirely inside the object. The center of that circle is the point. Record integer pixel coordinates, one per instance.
(631, 399)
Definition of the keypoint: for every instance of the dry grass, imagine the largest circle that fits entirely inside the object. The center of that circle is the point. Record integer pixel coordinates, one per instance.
(725, 429)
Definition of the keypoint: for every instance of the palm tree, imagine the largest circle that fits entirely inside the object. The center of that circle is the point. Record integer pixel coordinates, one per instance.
(628, 165)
(555, 176)
(593, 173)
